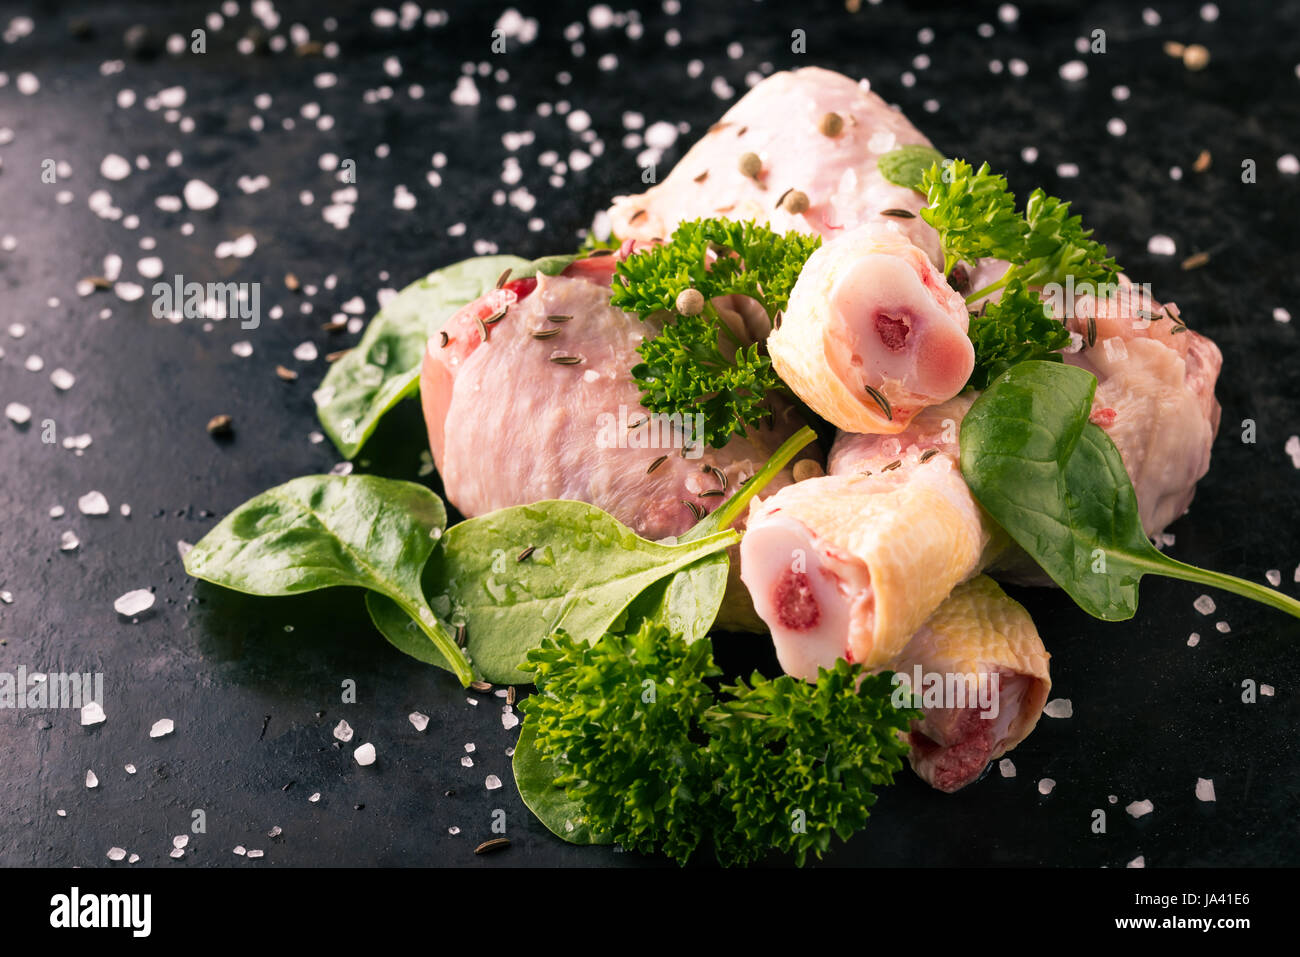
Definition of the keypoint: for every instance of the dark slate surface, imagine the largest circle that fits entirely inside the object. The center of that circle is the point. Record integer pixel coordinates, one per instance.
(254, 702)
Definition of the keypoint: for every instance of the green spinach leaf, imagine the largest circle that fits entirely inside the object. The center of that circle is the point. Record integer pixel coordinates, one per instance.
(535, 777)
(1058, 486)
(322, 531)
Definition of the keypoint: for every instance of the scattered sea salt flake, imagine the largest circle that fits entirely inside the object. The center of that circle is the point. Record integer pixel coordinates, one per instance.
(1161, 245)
(420, 721)
(1073, 71)
(1140, 808)
(128, 291)
(69, 541)
(93, 503)
(61, 812)
(180, 840)
(1280, 314)
(91, 780)
(1205, 790)
(492, 782)
(243, 349)
(162, 727)
(343, 731)
(1288, 164)
(240, 850)
(129, 768)
(1193, 640)
(315, 798)
(1266, 690)
(17, 413)
(199, 195)
(116, 853)
(34, 364)
(1046, 785)
(92, 713)
(467, 762)
(134, 602)
(469, 747)
(509, 720)
(1059, 708)
(1292, 448)
(1222, 627)
(1006, 768)
(306, 352)
(256, 854)
(63, 379)
(1138, 862)
(1204, 604)
(365, 755)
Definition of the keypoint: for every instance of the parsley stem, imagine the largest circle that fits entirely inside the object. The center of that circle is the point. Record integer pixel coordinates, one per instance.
(713, 314)
(991, 287)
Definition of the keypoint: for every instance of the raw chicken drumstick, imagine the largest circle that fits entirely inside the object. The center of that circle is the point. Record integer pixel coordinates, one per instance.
(873, 333)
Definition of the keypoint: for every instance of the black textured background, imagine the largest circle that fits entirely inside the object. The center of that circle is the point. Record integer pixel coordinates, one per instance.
(1151, 714)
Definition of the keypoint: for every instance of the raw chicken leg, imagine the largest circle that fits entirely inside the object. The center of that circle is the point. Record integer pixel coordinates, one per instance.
(781, 121)
(987, 641)
(873, 333)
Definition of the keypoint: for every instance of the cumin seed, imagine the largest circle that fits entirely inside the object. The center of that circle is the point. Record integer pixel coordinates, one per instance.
(445, 338)
(558, 318)
(496, 316)
(482, 329)
(1092, 332)
(480, 685)
(336, 356)
(892, 465)
(566, 360)
(929, 454)
(286, 375)
(783, 196)
(510, 695)
(880, 400)
(525, 553)
(702, 177)
(334, 325)
(503, 278)
(900, 213)
(637, 215)
(721, 476)
(460, 640)
(655, 464)
(1196, 261)
(695, 509)
(545, 333)
(711, 493)
(596, 253)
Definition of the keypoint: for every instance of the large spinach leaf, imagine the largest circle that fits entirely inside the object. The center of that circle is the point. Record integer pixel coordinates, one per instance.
(321, 531)
(1057, 484)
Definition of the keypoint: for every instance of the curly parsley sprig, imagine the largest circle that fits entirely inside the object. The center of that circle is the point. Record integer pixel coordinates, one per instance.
(659, 761)
(696, 363)
(976, 217)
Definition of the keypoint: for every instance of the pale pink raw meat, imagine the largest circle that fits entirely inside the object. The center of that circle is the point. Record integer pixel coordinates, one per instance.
(779, 121)
(873, 333)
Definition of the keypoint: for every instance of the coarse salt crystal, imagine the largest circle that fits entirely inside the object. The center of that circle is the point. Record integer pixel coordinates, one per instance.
(162, 728)
(1204, 604)
(1046, 785)
(365, 755)
(1140, 808)
(1161, 246)
(180, 840)
(92, 713)
(1205, 790)
(91, 780)
(492, 782)
(1193, 640)
(420, 721)
(1006, 768)
(134, 602)
(17, 413)
(343, 731)
(1073, 71)
(116, 853)
(1138, 862)
(1059, 708)
(199, 195)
